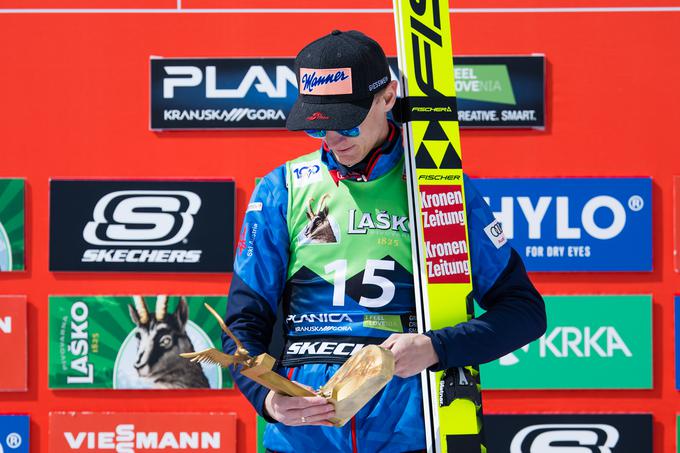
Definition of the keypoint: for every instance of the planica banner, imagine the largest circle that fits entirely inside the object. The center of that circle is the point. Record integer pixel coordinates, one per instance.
(133, 342)
(245, 93)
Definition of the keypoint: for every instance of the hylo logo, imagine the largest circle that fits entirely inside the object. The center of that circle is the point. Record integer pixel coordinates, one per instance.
(142, 217)
(563, 438)
(534, 216)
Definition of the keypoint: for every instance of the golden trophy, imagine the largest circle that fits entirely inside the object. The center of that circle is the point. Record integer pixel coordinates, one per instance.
(358, 380)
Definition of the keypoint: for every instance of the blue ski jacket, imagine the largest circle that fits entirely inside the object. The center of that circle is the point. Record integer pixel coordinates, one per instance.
(392, 421)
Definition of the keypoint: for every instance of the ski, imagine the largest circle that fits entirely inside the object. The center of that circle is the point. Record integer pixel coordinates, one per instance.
(452, 404)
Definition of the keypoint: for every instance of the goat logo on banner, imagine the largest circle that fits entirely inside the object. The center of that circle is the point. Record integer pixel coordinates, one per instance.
(321, 228)
(132, 342)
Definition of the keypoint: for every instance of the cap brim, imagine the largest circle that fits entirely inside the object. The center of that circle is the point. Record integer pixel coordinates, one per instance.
(336, 116)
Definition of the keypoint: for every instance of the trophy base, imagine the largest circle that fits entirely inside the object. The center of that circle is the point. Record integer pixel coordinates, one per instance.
(357, 381)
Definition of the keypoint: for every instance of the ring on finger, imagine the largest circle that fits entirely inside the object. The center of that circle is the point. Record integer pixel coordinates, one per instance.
(303, 419)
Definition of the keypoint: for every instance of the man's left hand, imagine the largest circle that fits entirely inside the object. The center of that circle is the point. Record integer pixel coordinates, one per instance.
(413, 352)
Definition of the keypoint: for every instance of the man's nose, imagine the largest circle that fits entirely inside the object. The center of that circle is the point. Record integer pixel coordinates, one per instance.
(333, 139)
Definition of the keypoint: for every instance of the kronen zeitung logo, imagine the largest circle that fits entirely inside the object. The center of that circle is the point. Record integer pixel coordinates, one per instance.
(570, 342)
(152, 218)
(433, 217)
(6, 324)
(125, 439)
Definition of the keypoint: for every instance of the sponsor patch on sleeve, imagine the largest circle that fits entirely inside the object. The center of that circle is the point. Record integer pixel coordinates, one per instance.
(254, 207)
(495, 232)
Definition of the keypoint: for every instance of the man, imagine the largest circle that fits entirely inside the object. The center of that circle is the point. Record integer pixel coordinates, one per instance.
(327, 236)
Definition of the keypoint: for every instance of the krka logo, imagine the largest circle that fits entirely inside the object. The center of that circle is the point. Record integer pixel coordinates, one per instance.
(563, 342)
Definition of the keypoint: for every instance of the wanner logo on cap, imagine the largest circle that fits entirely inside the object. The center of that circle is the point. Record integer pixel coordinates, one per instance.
(326, 81)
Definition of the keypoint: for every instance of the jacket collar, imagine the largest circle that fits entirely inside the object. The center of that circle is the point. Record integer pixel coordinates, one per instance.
(382, 160)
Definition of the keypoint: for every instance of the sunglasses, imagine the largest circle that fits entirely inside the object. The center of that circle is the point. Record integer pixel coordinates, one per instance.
(321, 133)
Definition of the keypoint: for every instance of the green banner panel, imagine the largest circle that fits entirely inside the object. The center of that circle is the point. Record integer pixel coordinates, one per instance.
(12, 225)
(592, 342)
(128, 342)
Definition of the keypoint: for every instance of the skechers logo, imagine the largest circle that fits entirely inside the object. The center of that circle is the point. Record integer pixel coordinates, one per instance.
(565, 437)
(326, 81)
(142, 217)
(324, 348)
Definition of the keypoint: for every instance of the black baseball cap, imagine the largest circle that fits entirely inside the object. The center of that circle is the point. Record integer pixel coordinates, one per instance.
(337, 76)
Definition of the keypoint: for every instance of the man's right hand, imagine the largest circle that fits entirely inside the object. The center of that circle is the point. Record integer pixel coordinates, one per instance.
(299, 410)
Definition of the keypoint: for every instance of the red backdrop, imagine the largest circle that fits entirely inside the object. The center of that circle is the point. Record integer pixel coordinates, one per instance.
(74, 91)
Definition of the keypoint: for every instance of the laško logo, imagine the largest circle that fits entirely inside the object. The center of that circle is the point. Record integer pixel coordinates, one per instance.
(317, 116)
(133, 432)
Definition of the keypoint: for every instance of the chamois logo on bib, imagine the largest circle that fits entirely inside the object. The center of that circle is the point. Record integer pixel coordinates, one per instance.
(321, 228)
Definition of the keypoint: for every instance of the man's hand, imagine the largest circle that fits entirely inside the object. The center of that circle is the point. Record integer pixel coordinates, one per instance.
(299, 410)
(413, 352)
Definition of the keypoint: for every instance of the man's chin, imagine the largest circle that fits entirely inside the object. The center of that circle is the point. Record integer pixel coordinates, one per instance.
(347, 156)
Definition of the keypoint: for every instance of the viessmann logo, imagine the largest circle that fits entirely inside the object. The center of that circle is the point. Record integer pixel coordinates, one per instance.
(126, 439)
(563, 438)
(137, 432)
(142, 218)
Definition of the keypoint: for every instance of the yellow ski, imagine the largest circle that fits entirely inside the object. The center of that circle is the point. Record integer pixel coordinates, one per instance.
(441, 267)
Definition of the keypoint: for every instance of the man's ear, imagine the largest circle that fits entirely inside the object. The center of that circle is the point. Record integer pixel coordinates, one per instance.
(389, 96)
